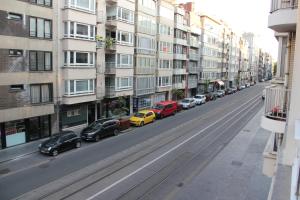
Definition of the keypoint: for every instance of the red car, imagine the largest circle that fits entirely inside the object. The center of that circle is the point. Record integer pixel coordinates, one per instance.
(165, 108)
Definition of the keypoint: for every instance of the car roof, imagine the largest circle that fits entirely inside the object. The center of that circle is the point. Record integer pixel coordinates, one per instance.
(62, 133)
(166, 102)
(145, 111)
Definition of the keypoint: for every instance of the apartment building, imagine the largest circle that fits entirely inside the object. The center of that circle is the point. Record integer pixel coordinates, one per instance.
(211, 55)
(145, 53)
(165, 35)
(27, 71)
(282, 109)
(233, 63)
(244, 70)
(226, 42)
(117, 57)
(180, 49)
(193, 68)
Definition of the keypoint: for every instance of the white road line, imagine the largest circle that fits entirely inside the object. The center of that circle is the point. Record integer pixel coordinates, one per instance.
(167, 152)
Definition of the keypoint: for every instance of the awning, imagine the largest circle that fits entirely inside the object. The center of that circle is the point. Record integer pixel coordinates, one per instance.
(221, 83)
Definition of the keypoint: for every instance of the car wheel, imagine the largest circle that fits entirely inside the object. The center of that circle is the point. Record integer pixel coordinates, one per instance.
(116, 132)
(142, 124)
(78, 144)
(54, 152)
(97, 138)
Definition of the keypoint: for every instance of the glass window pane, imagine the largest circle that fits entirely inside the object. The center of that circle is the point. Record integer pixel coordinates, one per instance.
(41, 62)
(32, 27)
(47, 29)
(46, 93)
(72, 87)
(82, 58)
(81, 86)
(91, 85)
(41, 2)
(83, 3)
(71, 57)
(82, 30)
(40, 28)
(35, 94)
(32, 60)
(48, 61)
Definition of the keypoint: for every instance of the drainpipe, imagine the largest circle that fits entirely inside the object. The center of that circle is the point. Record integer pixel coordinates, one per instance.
(286, 66)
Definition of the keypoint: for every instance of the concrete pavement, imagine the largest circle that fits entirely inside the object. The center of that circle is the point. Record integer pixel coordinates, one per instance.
(236, 173)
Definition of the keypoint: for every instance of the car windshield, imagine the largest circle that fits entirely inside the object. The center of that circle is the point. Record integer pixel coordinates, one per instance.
(140, 115)
(54, 139)
(95, 125)
(158, 107)
(185, 101)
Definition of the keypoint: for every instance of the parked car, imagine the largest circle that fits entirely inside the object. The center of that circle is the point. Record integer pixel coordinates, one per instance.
(165, 108)
(242, 87)
(100, 129)
(217, 94)
(221, 93)
(188, 103)
(247, 85)
(60, 142)
(142, 117)
(252, 84)
(210, 96)
(200, 99)
(234, 89)
(229, 91)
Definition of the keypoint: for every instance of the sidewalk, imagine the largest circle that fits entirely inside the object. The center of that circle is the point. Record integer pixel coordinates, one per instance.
(236, 172)
(22, 150)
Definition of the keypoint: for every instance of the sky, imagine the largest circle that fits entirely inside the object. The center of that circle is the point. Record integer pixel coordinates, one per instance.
(243, 16)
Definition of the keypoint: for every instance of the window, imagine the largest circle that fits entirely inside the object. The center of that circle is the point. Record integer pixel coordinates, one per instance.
(14, 16)
(40, 28)
(16, 87)
(15, 52)
(166, 12)
(143, 83)
(40, 61)
(165, 30)
(82, 31)
(122, 14)
(145, 45)
(76, 87)
(148, 3)
(124, 83)
(86, 5)
(165, 47)
(124, 60)
(42, 2)
(164, 81)
(145, 62)
(41, 93)
(146, 24)
(165, 64)
(73, 113)
(73, 58)
(125, 37)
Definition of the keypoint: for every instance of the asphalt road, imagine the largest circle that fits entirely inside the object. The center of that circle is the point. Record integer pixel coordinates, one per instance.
(143, 163)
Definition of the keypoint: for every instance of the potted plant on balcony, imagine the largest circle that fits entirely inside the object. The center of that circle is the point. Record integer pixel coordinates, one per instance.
(100, 41)
(109, 42)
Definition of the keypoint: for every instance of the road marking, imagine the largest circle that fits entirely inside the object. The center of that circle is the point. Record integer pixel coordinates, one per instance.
(167, 152)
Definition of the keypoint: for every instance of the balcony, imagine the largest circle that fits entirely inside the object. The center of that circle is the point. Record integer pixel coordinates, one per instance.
(139, 92)
(194, 56)
(163, 88)
(276, 109)
(193, 70)
(283, 15)
(179, 85)
(112, 91)
(194, 43)
(179, 71)
(180, 41)
(112, 68)
(192, 83)
(178, 56)
(144, 70)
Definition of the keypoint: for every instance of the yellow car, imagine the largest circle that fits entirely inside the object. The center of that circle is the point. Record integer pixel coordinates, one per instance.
(142, 117)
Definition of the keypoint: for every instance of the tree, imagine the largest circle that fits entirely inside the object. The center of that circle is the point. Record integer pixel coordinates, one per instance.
(206, 84)
(178, 94)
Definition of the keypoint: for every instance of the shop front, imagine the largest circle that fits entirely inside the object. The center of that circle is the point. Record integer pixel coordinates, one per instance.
(25, 130)
(116, 107)
(142, 102)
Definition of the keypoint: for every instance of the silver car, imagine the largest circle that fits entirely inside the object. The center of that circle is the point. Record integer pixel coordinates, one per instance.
(188, 103)
(200, 99)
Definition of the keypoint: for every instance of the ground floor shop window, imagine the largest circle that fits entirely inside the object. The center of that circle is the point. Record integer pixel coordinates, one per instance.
(117, 107)
(38, 127)
(15, 132)
(142, 102)
(73, 115)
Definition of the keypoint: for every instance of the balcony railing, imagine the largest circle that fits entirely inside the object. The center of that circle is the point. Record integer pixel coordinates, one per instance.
(193, 69)
(283, 4)
(277, 102)
(139, 92)
(144, 70)
(194, 56)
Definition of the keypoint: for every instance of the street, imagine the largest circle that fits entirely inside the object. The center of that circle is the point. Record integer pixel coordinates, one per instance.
(151, 162)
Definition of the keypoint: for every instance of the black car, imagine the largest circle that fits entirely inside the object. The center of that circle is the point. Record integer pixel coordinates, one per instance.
(60, 142)
(100, 129)
(211, 96)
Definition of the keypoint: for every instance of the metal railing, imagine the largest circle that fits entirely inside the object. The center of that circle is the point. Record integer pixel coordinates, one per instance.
(277, 101)
(139, 92)
(283, 4)
(194, 56)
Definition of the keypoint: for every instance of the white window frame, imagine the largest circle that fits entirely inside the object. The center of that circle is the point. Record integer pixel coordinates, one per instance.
(119, 85)
(74, 4)
(119, 10)
(77, 93)
(68, 34)
(119, 37)
(161, 81)
(120, 64)
(90, 63)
